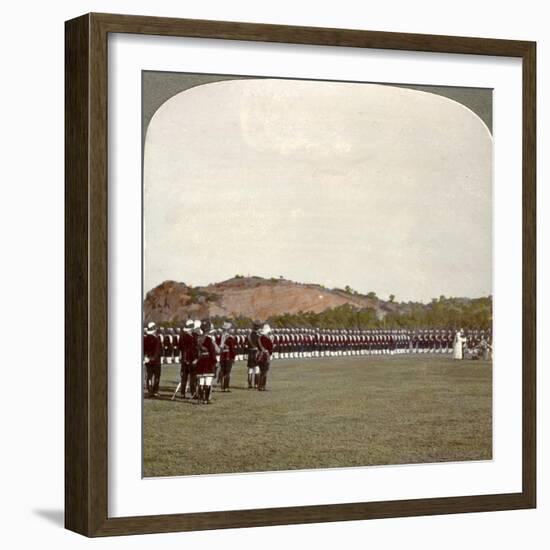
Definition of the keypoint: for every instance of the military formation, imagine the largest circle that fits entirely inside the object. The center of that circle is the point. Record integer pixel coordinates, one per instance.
(206, 355)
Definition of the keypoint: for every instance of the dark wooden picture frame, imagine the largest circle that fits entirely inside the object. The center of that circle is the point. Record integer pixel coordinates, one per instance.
(86, 280)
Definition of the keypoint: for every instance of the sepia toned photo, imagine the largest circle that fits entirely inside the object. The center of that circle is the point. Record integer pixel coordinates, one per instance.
(317, 274)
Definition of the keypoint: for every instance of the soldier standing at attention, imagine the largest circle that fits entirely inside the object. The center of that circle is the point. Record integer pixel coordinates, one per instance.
(176, 345)
(206, 360)
(431, 342)
(277, 343)
(265, 346)
(168, 344)
(450, 338)
(217, 335)
(241, 344)
(185, 344)
(152, 351)
(252, 349)
(196, 332)
(228, 344)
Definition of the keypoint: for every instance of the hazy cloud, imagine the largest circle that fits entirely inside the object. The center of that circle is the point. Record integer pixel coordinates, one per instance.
(382, 188)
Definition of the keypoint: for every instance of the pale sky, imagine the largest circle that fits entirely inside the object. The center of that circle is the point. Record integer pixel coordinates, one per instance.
(381, 188)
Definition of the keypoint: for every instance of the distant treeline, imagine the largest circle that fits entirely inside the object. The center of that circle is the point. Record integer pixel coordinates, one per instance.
(443, 313)
(451, 313)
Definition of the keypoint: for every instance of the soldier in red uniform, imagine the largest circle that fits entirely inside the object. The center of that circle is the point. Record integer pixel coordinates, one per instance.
(187, 353)
(307, 342)
(217, 334)
(241, 342)
(193, 386)
(252, 352)
(176, 344)
(152, 351)
(276, 343)
(206, 360)
(227, 345)
(291, 343)
(265, 350)
(168, 344)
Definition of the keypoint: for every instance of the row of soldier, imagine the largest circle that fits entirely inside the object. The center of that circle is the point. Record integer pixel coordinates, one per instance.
(290, 343)
(207, 355)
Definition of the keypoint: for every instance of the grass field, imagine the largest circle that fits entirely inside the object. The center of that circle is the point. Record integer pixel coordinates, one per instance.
(325, 413)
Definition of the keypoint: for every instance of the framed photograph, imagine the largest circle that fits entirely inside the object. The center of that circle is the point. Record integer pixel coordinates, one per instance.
(300, 275)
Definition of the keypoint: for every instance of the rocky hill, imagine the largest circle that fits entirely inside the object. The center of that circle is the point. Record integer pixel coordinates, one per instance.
(252, 297)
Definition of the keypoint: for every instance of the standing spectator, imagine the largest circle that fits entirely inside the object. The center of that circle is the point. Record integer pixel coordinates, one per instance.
(152, 351)
(227, 355)
(265, 345)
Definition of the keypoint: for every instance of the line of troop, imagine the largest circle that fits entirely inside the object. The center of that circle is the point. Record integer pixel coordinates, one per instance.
(207, 354)
(290, 343)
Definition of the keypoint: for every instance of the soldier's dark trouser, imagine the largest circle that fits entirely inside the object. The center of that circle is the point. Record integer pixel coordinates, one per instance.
(225, 371)
(153, 379)
(264, 368)
(192, 380)
(207, 391)
(252, 358)
(185, 371)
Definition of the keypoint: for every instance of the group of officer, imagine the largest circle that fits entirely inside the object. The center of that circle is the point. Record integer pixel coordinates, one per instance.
(207, 354)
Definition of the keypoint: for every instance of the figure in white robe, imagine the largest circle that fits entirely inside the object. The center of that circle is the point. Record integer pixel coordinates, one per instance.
(457, 345)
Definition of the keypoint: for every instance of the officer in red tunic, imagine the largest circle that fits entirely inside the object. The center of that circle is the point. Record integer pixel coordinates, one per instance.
(193, 384)
(168, 344)
(187, 353)
(228, 352)
(176, 343)
(217, 334)
(206, 360)
(252, 352)
(265, 350)
(152, 351)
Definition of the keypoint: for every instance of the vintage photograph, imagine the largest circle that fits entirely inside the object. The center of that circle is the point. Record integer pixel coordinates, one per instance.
(317, 274)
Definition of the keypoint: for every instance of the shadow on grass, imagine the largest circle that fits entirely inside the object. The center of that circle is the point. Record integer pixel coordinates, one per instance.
(167, 393)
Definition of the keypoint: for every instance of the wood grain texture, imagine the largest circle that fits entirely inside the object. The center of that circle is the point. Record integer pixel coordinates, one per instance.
(86, 257)
(310, 514)
(77, 389)
(529, 275)
(164, 26)
(98, 285)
